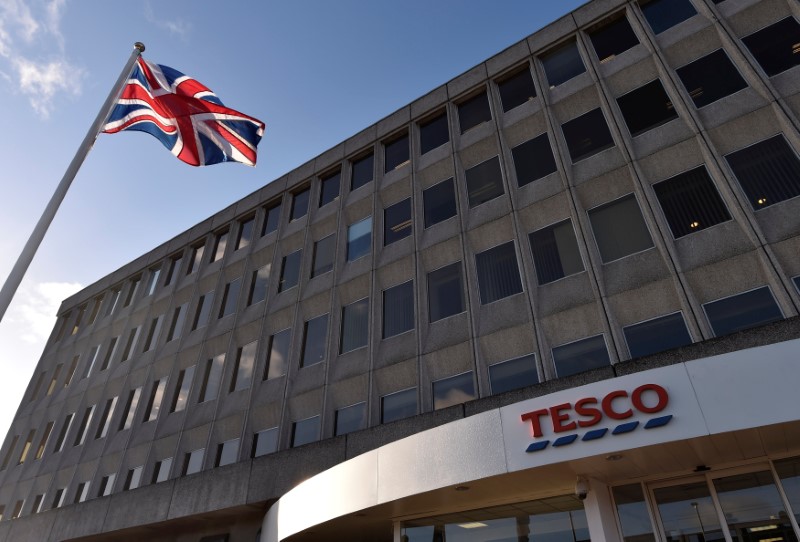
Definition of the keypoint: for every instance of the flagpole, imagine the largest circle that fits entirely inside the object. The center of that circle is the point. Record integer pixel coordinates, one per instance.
(29, 250)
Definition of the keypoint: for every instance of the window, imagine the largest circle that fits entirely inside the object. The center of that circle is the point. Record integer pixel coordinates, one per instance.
(433, 133)
(587, 135)
(440, 202)
(26, 447)
(395, 153)
(174, 269)
(445, 292)
(204, 303)
(579, 356)
(77, 325)
(397, 221)
(212, 378)
(62, 436)
(113, 299)
(161, 470)
(775, 47)
(562, 63)
(355, 326)
(710, 78)
(227, 452)
(657, 335)
(130, 409)
(516, 89)
(132, 289)
(555, 252)
(265, 442)
(398, 405)
(9, 452)
(230, 297)
(176, 327)
(37, 504)
(473, 112)
(769, 172)
(107, 485)
(82, 492)
(63, 327)
(38, 386)
(363, 171)
(195, 258)
(498, 273)
(619, 229)
(300, 204)
(152, 281)
(92, 360)
(453, 390)
(273, 216)
(245, 235)
(130, 346)
(56, 373)
(58, 499)
(797, 283)
(182, 389)
(787, 470)
(258, 285)
(83, 428)
(193, 461)
(154, 403)
(243, 367)
(513, 374)
(690, 202)
(646, 107)
(351, 418)
(612, 38)
(18, 509)
(359, 239)
(742, 311)
(133, 479)
(278, 357)
(398, 309)
(324, 252)
(105, 418)
(43, 440)
(329, 188)
(305, 431)
(152, 332)
(314, 335)
(533, 160)
(98, 301)
(484, 182)
(290, 270)
(664, 14)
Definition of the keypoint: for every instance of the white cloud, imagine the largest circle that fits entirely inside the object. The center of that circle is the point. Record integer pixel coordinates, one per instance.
(34, 312)
(17, 14)
(41, 81)
(54, 11)
(179, 27)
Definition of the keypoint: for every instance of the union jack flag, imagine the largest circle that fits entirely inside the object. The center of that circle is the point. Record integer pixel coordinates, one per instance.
(185, 116)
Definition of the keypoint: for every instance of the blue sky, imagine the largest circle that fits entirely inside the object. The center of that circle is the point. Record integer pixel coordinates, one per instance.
(315, 71)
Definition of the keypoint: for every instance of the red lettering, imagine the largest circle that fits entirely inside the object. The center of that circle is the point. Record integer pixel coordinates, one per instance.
(558, 417)
(608, 407)
(661, 393)
(533, 417)
(582, 409)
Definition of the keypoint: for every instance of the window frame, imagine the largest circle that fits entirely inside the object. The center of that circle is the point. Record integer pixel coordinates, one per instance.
(683, 319)
(594, 236)
(771, 293)
(605, 343)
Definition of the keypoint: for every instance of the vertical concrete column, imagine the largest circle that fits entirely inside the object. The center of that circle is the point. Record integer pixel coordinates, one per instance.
(600, 514)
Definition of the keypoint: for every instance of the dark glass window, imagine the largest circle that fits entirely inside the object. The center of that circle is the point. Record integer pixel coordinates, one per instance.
(580, 356)
(245, 232)
(484, 182)
(710, 78)
(227, 452)
(397, 221)
(453, 390)
(433, 133)
(533, 159)
(395, 153)
(290, 270)
(355, 325)
(84, 426)
(664, 14)
(513, 374)
(646, 108)
(516, 89)
(176, 326)
(265, 442)
(324, 251)
(132, 290)
(273, 215)
(154, 403)
(359, 239)
(797, 283)
(398, 405)
(230, 297)
(130, 346)
(195, 258)
(314, 341)
(329, 188)
(657, 335)
(204, 303)
(769, 171)
(562, 63)
(220, 244)
(212, 378)
(587, 134)
(102, 427)
(619, 229)
(690, 202)
(555, 252)
(161, 470)
(398, 309)
(305, 431)
(445, 292)
(152, 332)
(258, 285)
(174, 269)
(363, 171)
(612, 38)
(128, 415)
(182, 389)
(775, 47)
(742, 311)
(152, 282)
(112, 347)
(300, 204)
(278, 357)
(498, 273)
(634, 518)
(473, 112)
(193, 461)
(351, 418)
(440, 202)
(243, 367)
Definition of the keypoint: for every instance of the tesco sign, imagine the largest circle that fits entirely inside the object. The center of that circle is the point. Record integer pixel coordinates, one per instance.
(590, 411)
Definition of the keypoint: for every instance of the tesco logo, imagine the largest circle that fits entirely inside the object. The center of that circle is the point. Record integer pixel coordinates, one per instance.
(590, 411)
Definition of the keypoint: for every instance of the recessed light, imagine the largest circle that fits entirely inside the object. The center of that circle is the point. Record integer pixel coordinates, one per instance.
(462, 488)
(614, 457)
